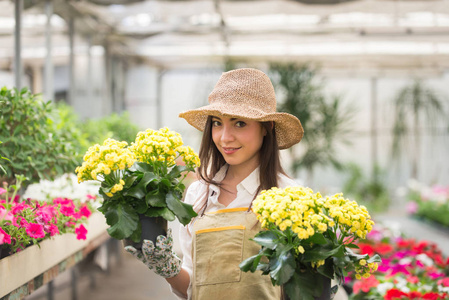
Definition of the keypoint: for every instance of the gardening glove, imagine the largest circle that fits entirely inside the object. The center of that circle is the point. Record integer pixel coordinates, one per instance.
(160, 258)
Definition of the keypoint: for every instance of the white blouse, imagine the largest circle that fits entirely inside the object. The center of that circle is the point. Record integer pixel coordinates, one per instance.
(195, 196)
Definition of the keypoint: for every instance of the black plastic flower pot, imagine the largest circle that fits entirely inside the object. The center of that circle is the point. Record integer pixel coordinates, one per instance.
(152, 227)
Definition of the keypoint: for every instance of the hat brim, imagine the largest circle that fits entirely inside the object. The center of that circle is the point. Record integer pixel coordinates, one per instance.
(289, 130)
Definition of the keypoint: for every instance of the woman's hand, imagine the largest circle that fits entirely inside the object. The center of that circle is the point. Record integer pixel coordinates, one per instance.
(160, 258)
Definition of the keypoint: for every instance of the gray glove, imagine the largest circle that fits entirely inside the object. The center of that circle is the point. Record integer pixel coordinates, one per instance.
(160, 258)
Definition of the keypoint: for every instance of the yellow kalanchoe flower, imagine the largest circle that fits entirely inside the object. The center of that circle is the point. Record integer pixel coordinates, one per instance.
(102, 160)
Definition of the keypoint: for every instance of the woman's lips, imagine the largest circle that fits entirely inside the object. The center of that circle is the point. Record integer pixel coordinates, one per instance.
(229, 150)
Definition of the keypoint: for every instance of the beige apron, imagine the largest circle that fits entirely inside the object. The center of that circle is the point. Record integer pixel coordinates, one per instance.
(220, 243)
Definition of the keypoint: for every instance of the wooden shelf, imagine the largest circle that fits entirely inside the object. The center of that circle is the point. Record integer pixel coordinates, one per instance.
(26, 271)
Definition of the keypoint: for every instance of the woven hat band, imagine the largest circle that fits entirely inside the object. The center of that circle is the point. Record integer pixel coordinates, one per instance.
(249, 86)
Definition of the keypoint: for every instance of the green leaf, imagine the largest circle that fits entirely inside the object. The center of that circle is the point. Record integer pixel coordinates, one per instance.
(354, 246)
(266, 238)
(282, 267)
(184, 212)
(155, 199)
(160, 212)
(141, 167)
(248, 264)
(136, 236)
(140, 206)
(129, 182)
(322, 252)
(317, 238)
(177, 170)
(123, 220)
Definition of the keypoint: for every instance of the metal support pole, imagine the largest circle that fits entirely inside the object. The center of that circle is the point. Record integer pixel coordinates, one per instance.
(71, 96)
(373, 123)
(17, 44)
(50, 291)
(160, 74)
(49, 89)
(89, 83)
(74, 283)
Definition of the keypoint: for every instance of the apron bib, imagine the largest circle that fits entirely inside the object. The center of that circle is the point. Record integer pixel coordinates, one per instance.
(221, 242)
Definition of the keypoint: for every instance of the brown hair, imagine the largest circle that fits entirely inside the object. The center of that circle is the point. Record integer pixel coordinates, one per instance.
(269, 158)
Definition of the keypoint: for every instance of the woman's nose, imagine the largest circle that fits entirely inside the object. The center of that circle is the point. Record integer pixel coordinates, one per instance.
(227, 134)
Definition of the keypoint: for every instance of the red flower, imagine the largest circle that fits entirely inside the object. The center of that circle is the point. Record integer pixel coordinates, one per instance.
(366, 249)
(394, 294)
(81, 232)
(383, 249)
(432, 296)
(35, 230)
(414, 295)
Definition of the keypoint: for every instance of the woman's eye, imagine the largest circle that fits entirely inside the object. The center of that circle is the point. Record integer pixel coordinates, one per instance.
(216, 123)
(240, 124)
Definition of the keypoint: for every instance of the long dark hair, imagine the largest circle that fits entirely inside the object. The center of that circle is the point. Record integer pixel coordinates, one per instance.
(269, 158)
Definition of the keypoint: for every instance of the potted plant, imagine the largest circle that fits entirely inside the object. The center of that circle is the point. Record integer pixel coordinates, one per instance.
(142, 183)
(306, 241)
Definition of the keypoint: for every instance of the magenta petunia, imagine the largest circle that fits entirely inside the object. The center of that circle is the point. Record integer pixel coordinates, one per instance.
(81, 232)
(35, 230)
(67, 210)
(85, 212)
(19, 207)
(52, 229)
(2, 191)
(4, 237)
(5, 214)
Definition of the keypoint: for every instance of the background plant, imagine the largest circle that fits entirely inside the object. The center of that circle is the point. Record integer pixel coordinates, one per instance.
(31, 140)
(370, 191)
(417, 108)
(326, 120)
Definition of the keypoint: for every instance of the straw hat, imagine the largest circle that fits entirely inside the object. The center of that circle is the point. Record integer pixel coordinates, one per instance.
(249, 94)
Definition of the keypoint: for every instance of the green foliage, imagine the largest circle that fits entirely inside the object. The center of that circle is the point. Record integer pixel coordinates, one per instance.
(435, 211)
(416, 107)
(119, 127)
(326, 121)
(370, 191)
(36, 148)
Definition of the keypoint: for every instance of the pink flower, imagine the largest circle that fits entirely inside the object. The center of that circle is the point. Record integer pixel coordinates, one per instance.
(4, 237)
(19, 207)
(413, 279)
(2, 191)
(81, 232)
(52, 229)
(85, 212)
(5, 215)
(67, 210)
(412, 207)
(444, 281)
(35, 230)
(91, 197)
(365, 284)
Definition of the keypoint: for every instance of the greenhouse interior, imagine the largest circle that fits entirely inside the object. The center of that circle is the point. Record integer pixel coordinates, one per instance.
(91, 93)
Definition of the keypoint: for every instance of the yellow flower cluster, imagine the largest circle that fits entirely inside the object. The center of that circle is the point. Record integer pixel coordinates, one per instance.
(297, 208)
(162, 145)
(353, 219)
(364, 269)
(306, 212)
(104, 159)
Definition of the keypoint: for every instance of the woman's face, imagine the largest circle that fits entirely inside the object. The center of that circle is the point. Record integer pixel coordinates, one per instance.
(238, 140)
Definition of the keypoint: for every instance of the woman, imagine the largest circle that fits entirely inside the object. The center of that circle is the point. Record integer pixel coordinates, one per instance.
(239, 157)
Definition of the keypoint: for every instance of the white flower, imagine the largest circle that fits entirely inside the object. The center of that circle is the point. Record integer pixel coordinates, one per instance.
(425, 259)
(384, 287)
